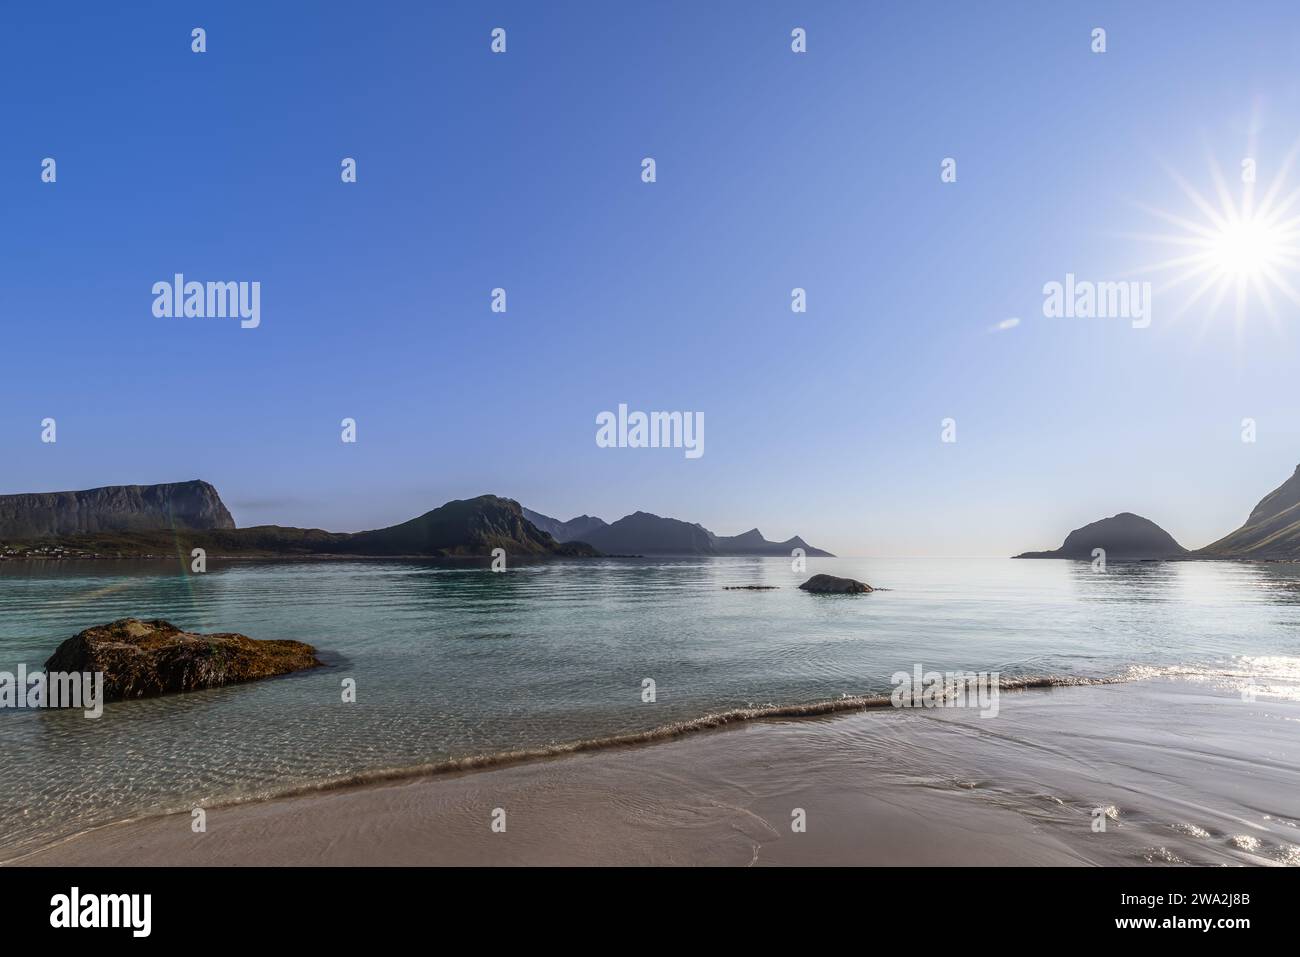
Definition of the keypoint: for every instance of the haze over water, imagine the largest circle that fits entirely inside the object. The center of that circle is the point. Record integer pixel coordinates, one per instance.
(452, 660)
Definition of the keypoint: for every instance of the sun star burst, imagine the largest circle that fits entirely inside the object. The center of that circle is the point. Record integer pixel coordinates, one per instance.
(1241, 245)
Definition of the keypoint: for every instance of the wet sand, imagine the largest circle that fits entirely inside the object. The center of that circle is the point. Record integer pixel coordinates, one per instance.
(1181, 772)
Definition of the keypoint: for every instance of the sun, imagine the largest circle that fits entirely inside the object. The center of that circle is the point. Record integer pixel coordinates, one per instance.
(1235, 245)
(1247, 249)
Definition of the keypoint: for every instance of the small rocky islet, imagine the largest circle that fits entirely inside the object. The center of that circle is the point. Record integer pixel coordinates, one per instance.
(145, 658)
(831, 585)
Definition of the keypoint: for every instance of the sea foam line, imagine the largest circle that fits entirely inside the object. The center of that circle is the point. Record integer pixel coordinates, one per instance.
(499, 759)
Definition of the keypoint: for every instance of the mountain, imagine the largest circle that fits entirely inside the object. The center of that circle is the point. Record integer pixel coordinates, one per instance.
(113, 508)
(1123, 536)
(575, 529)
(170, 519)
(469, 527)
(1272, 529)
(752, 542)
(472, 526)
(642, 533)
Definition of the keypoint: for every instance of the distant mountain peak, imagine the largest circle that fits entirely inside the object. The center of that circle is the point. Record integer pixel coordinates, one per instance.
(1125, 535)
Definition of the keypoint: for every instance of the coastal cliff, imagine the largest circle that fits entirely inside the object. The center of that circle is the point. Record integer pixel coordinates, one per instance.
(114, 508)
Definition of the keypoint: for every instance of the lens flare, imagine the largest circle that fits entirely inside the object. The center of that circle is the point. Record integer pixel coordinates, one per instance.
(1243, 245)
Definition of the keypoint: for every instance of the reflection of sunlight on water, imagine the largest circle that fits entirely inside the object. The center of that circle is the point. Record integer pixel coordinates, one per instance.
(1267, 676)
(90, 595)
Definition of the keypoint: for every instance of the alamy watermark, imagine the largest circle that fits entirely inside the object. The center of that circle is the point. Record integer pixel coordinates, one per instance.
(75, 909)
(946, 689)
(651, 430)
(1084, 299)
(53, 689)
(211, 300)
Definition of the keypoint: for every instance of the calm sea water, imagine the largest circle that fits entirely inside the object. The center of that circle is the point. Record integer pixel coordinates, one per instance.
(454, 660)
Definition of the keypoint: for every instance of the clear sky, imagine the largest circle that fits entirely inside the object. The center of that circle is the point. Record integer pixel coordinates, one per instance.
(522, 170)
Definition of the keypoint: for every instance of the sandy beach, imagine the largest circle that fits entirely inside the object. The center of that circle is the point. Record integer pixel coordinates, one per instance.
(1181, 771)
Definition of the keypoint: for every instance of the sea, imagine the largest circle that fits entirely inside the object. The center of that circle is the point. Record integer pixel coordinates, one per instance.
(455, 665)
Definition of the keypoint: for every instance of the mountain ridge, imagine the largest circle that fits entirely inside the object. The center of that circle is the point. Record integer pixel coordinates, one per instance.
(163, 519)
(459, 528)
(644, 533)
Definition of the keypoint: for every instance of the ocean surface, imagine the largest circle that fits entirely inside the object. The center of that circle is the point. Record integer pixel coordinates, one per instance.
(452, 660)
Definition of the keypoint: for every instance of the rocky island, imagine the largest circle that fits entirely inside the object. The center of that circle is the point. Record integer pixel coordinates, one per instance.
(1123, 537)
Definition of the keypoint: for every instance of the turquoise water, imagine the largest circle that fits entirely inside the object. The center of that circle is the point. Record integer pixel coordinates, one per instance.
(455, 660)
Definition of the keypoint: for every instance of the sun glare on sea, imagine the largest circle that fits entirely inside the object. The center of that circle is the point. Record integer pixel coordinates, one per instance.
(1233, 248)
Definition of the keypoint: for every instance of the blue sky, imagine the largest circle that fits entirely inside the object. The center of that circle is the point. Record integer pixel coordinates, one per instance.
(522, 170)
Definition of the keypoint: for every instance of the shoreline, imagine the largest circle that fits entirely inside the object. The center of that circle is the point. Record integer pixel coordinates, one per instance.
(718, 721)
(692, 798)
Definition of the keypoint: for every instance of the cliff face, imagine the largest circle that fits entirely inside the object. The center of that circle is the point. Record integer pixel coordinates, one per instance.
(1122, 536)
(1272, 529)
(114, 508)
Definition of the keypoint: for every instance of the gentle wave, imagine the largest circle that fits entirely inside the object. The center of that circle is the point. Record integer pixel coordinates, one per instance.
(498, 759)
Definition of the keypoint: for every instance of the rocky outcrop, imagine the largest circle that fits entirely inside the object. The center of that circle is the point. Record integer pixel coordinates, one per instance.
(830, 585)
(1271, 531)
(143, 658)
(113, 508)
(1123, 537)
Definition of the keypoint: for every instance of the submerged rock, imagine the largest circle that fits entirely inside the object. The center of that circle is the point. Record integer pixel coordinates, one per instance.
(142, 658)
(830, 585)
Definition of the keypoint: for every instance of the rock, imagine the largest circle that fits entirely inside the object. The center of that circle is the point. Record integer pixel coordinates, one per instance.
(749, 587)
(142, 658)
(830, 585)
